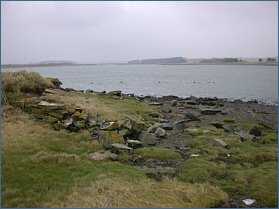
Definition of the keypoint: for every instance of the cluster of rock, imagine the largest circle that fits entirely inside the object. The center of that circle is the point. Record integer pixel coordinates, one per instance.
(121, 135)
(131, 133)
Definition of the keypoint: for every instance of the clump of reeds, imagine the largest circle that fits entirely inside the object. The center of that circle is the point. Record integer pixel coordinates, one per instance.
(17, 84)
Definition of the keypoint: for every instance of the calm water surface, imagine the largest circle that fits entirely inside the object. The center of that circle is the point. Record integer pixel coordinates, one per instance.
(223, 81)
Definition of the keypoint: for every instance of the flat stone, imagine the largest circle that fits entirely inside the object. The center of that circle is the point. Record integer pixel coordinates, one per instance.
(153, 115)
(209, 111)
(190, 116)
(181, 121)
(151, 129)
(163, 120)
(228, 128)
(103, 155)
(218, 142)
(120, 148)
(155, 103)
(217, 124)
(110, 126)
(245, 136)
(191, 130)
(134, 144)
(191, 102)
(167, 126)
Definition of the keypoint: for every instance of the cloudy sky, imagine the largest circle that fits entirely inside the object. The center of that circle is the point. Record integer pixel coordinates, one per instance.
(94, 31)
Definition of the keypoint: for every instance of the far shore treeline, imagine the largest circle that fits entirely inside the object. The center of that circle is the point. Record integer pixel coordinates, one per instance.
(158, 61)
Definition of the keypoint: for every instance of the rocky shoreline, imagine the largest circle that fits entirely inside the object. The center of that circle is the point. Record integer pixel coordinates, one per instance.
(181, 120)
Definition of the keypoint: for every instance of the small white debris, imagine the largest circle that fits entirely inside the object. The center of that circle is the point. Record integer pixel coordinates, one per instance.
(249, 201)
(228, 155)
(194, 155)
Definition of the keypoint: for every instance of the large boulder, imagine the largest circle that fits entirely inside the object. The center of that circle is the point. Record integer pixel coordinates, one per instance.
(107, 138)
(134, 123)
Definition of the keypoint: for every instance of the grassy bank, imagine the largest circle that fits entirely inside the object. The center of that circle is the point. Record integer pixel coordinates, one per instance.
(28, 180)
(43, 168)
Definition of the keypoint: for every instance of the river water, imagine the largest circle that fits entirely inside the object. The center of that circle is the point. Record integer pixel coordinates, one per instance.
(246, 82)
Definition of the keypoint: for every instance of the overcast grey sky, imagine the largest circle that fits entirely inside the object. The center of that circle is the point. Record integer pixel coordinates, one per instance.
(121, 31)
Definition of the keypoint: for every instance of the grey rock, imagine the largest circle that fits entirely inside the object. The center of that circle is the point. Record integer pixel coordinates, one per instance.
(190, 116)
(155, 103)
(191, 102)
(245, 136)
(238, 101)
(89, 91)
(107, 138)
(116, 148)
(103, 155)
(209, 111)
(153, 115)
(218, 142)
(217, 124)
(167, 126)
(147, 138)
(228, 128)
(181, 121)
(173, 103)
(134, 144)
(68, 122)
(110, 126)
(166, 108)
(255, 131)
(160, 132)
(151, 129)
(163, 120)
(193, 98)
(134, 122)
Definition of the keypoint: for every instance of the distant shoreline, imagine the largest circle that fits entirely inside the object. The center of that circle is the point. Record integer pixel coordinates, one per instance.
(229, 63)
(63, 65)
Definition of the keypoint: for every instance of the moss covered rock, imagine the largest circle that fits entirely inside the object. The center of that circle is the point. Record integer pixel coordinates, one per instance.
(107, 138)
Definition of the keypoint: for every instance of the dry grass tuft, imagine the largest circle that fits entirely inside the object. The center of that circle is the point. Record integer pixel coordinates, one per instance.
(146, 193)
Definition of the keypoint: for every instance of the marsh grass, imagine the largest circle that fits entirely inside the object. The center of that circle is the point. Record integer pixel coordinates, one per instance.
(41, 168)
(243, 168)
(19, 84)
(157, 153)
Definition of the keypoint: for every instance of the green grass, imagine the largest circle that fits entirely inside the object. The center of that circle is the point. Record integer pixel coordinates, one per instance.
(243, 168)
(71, 178)
(157, 153)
